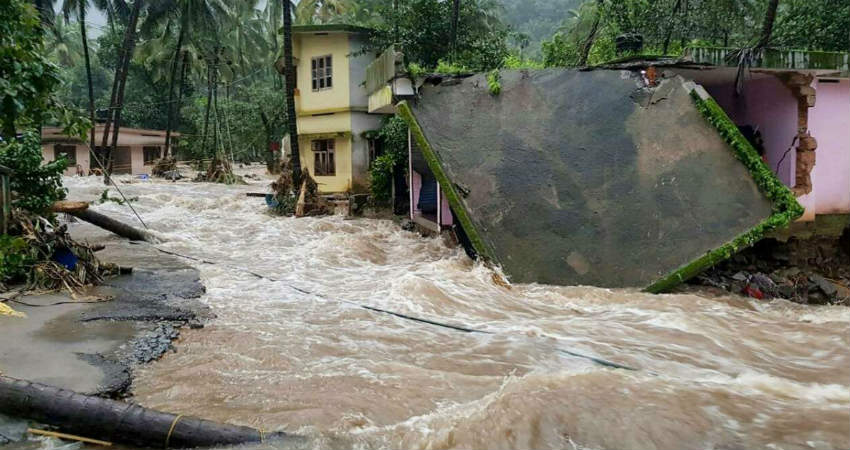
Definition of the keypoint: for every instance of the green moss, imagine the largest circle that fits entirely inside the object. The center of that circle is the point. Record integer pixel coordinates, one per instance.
(784, 204)
(445, 183)
(494, 82)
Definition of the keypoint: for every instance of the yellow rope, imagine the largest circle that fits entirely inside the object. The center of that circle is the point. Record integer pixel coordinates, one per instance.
(171, 430)
(68, 437)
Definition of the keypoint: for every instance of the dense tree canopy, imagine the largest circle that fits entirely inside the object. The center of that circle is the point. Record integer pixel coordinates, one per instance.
(667, 26)
(228, 50)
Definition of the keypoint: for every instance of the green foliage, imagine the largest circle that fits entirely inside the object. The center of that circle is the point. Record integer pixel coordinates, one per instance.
(16, 259)
(285, 205)
(668, 26)
(381, 177)
(104, 198)
(513, 62)
(813, 25)
(248, 121)
(35, 186)
(536, 20)
(393, 136)
(415, 71)
(422, 28)
(494, 82)
(27, 84)
(27, 78)
(447, 68)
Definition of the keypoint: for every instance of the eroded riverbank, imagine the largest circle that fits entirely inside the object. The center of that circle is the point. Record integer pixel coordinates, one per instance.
(716, 372)
(92, 342)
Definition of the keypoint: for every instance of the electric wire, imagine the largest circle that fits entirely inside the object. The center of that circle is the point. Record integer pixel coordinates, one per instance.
(459, 328)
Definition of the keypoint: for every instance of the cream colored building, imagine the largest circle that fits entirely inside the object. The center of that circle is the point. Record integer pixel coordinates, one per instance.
(135, 154)
(332, 105)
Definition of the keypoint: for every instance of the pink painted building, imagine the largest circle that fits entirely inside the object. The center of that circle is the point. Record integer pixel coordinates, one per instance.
(796, 107)
(429, 207)
(136, 153)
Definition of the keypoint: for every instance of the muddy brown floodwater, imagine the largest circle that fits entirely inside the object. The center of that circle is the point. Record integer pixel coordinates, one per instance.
(715, 373)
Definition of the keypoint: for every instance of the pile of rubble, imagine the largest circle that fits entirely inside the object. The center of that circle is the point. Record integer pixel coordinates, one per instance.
(52, 259)
(807, 271)
(220, 171)
(305, 201)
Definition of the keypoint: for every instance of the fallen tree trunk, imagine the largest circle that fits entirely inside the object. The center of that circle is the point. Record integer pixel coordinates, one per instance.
(118, 422)
(66, 206)
(110, 224)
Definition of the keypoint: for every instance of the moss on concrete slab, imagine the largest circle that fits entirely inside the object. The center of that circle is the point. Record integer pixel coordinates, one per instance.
(786, 209)
(446, 184)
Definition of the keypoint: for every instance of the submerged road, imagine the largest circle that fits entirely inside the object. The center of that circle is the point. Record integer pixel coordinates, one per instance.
(716, 372)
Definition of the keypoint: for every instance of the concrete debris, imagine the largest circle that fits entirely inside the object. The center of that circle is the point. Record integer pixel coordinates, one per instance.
(588, 177)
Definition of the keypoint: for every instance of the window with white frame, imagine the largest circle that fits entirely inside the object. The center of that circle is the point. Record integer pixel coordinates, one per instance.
(323, 157)
(322, 72)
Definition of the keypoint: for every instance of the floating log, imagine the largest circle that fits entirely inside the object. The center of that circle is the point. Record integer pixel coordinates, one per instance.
(256, 194)
(110, 224)
(118, 422)
(66, 206)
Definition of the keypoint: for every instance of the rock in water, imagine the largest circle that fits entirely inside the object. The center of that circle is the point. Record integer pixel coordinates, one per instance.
(825, 286)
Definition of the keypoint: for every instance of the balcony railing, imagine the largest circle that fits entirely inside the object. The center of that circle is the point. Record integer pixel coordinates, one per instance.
(382, 70)
(774, 59)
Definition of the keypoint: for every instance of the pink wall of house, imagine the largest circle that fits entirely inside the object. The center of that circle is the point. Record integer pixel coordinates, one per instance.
(82, 155)
(416, 186)
(829, 122)
(770, 105)
(445, 211)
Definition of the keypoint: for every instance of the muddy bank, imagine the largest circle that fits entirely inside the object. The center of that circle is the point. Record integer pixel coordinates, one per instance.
(811, 270)
(92, 344)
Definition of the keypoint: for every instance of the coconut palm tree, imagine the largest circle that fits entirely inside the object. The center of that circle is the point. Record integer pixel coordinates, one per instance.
(45, 12)
(767, 25)
(584, 51)
(747, 56)
(63, 44)
(80, 7)
(289, 72)
(321, 11)
(455, 19)
(191, 17)
(116, 102)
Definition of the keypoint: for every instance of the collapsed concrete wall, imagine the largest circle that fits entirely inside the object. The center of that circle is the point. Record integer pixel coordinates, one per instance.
(594, 178)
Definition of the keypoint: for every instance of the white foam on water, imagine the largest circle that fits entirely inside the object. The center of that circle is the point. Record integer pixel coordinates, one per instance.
(723, 372)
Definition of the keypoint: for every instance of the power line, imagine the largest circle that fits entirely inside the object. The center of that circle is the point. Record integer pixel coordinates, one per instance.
(459, 328)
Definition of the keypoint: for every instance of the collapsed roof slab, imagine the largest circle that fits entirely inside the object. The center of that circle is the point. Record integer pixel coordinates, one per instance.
(591, 178)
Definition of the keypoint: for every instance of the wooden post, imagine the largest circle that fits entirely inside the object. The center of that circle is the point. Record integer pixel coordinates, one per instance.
(299, 207)
(5, 199)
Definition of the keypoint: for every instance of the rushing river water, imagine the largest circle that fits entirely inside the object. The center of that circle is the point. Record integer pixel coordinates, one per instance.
(715, 373)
